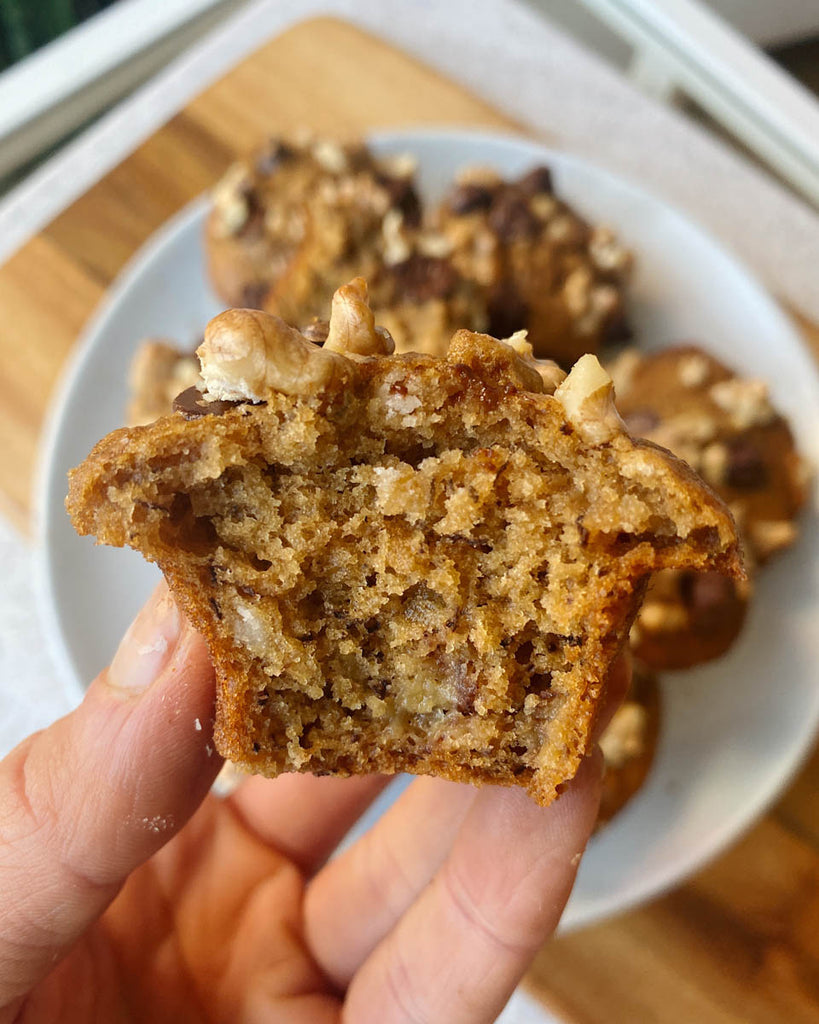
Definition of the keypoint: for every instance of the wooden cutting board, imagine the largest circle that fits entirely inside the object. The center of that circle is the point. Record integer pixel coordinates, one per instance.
(740, 942)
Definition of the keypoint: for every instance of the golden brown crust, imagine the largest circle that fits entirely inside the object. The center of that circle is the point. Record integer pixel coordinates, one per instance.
(420, 566)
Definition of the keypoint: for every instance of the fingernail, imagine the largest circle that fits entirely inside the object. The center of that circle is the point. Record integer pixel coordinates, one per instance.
(147, 647)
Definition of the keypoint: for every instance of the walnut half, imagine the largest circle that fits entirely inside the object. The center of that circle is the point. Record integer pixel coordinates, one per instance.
(248, 354)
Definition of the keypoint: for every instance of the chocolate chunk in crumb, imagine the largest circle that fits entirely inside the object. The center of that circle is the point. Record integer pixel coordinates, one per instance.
(468, 198)
(538, 180)
(746, 469)
(423, 278)
(317, 331)
(273, 156)
(192, 405)
(511, 217)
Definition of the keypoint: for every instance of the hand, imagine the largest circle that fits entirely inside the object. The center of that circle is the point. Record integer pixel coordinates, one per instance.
(127, 892)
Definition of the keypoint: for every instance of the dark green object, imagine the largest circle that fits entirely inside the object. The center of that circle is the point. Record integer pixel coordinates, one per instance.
(26, 25)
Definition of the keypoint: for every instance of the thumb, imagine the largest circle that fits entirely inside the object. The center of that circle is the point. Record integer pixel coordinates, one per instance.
(86, 801)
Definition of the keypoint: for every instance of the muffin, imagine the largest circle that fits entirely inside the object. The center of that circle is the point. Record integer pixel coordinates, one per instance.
(400, 562)
(724, 426)
(300, 217)
(541, 266)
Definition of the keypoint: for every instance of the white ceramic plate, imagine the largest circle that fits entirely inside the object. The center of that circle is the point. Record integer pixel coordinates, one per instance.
(734, 731)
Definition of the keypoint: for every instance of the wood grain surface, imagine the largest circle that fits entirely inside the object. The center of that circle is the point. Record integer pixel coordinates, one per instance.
(738, 943)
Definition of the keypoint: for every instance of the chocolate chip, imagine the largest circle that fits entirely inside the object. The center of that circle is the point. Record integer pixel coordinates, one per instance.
(617, 330)
(511, 217)
(540, 683)
(403, 197)
(538, 180)
(359, 158)
(423, 278)
(746, 469)
(317, 331)
(507, 310)
(273, 156)
(641, 421)
(468, 198)
(253, 294)
(192, 405)
(705, 593)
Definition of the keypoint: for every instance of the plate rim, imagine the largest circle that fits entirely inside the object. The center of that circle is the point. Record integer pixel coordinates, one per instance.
(48, 497)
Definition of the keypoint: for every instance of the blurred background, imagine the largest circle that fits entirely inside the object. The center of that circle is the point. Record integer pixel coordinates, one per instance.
(64, 62)
(173, 90)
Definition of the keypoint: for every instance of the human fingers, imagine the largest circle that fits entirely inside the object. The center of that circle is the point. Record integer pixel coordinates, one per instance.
(90, 798)
(304, 816)
(360, 895)
(461, 948)
(354, 902)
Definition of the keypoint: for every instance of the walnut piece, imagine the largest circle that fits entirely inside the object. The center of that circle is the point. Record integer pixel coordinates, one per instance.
(550, 373)
(745, 401)
(247, 355)
(661, 617)
(330, 156)
(230, 200)
(352, 325)
(693, 370)
(587, 396)
(607, 253)
(625, 736)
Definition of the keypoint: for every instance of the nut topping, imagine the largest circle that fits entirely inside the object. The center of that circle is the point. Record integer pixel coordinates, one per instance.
(230, 200)
(587, 396)
(352, 325)
(745, 401)
(247, 355)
